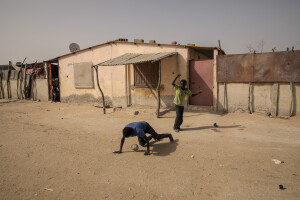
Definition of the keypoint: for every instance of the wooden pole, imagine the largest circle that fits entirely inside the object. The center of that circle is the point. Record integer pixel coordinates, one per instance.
(18, 93)
(20, 79)
(217, 97)
(277, 99)
(1, 86)
(225, 97)
(24, 81)
(292, 99)
(8, 81)
(19, 84)
(129, 87)
(126, 85)
(158, 90)
(32, 81)
(250, 99)
(103, 99)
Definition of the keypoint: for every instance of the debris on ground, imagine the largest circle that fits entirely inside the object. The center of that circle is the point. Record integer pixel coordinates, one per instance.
(216, 125)
(277, 162)
(281, 187)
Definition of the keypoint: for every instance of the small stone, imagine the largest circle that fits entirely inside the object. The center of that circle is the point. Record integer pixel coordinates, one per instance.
(136, 112)
(192, 156)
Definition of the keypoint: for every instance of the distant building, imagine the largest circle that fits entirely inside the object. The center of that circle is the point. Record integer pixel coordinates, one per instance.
(129, 73)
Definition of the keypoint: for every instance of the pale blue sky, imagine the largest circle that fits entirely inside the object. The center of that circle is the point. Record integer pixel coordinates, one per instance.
(40, 29)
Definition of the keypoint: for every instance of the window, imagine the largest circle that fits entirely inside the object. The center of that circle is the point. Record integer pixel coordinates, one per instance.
(146, 74)
(83, 75)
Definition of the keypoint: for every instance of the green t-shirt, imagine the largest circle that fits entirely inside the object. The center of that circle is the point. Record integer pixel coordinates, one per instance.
(180, 95)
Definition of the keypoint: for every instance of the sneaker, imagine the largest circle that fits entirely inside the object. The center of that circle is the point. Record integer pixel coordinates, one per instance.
(171, 138)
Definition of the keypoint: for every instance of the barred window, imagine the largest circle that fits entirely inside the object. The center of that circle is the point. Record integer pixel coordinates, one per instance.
(146, 74)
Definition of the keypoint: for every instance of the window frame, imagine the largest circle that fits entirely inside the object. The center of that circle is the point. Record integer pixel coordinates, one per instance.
(146, 75)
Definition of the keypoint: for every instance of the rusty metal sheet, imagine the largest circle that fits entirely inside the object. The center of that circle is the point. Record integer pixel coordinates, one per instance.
(235, 68)
(201, 78)
(262, 67)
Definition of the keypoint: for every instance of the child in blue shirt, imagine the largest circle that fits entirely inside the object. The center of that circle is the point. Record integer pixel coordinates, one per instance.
(140, 129)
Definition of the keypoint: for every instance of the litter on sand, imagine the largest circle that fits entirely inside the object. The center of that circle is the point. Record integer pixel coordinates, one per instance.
(277, 162)
(51, 190)
(281, 187)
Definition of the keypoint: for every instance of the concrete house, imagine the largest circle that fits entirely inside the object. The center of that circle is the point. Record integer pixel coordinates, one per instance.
(129, 73)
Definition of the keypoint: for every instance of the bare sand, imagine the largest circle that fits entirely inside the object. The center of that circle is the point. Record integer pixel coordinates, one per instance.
(64, 151)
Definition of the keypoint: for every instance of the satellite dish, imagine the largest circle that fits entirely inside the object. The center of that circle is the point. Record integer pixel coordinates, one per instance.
(74, 47)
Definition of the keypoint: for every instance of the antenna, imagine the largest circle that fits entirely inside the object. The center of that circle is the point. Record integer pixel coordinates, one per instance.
(74, 47)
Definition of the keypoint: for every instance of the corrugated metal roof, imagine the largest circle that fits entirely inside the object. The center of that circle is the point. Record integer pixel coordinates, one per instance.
(131, 58)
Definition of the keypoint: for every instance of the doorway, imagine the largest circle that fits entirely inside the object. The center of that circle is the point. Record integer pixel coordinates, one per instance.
(53, 80)
(201, 78)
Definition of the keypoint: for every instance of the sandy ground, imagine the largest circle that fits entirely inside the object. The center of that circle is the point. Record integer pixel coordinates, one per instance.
(64, 151)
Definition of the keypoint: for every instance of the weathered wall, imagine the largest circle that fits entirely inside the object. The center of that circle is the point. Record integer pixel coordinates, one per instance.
(106, 74)
(112, 78)
(13, 87)
(39, 89)
(264, 98)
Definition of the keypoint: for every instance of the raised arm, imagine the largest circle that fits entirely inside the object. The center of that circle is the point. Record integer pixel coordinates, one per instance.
(121, 145)
(173, 83)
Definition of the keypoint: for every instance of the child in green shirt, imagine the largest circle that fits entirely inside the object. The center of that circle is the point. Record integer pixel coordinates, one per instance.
(181, 92)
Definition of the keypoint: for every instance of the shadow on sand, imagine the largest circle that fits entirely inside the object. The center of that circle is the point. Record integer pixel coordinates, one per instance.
(159, 149)
(163, 149)
(209, 127)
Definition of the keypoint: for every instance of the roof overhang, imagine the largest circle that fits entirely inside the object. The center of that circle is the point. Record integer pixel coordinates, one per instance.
(132, 58)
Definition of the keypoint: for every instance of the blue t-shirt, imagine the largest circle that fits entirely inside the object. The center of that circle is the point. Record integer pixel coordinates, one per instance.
(138, 128)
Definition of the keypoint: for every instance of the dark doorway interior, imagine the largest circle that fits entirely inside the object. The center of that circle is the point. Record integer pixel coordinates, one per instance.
(53, 81)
